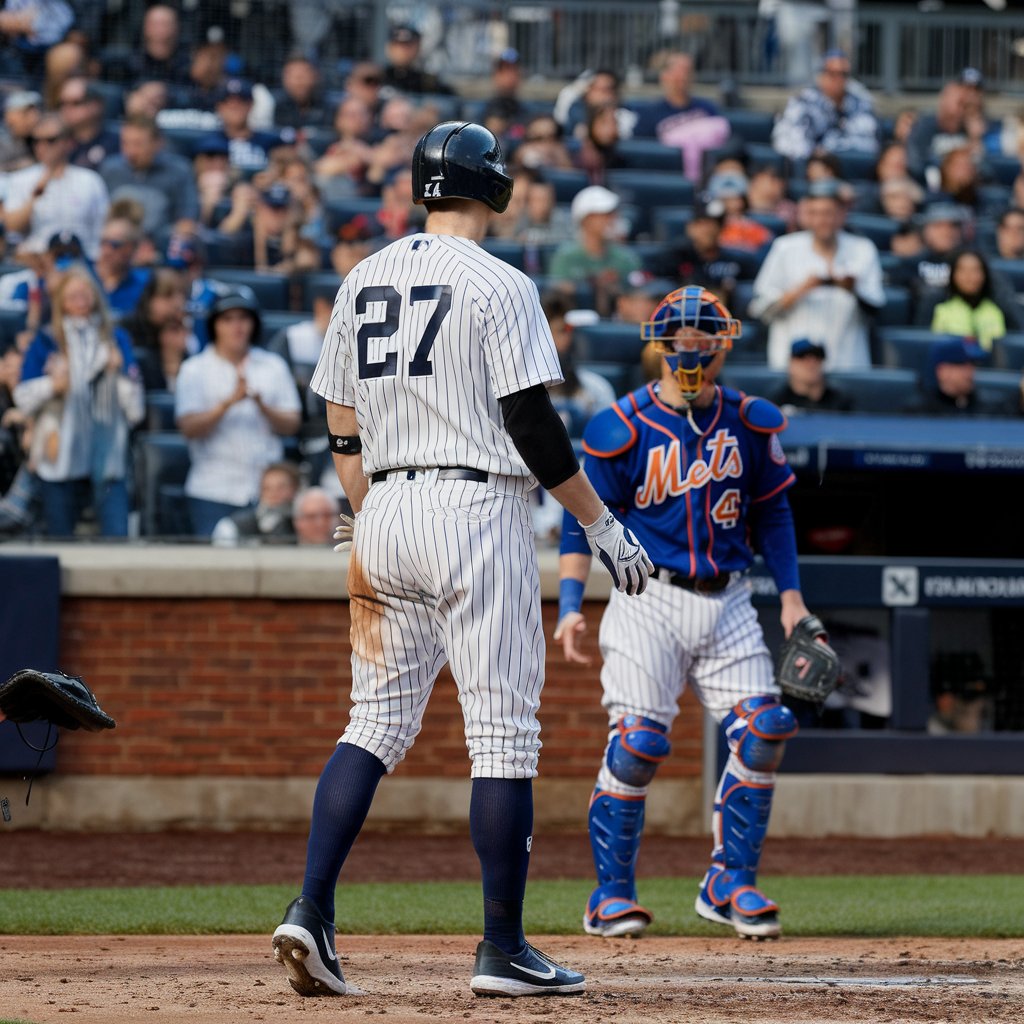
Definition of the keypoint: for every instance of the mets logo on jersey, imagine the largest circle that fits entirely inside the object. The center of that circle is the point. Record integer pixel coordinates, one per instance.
(664, 477)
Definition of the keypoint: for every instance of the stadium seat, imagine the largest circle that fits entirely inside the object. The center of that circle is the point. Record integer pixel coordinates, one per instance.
(993, 199)
(875, 226)
(1003, 168)
(567, 182)
(1012, 270)
(507, 250)
(338, 212)
(754, 380)
(1001, 386)
(669, 222)
(313, 281)
(750, 125)
(772, 221)
(752, 345)
(908, 347)
(272, 291)
(649, 189)
(857, 166)
(897, 311)
(11, 321)
(1008, 353)
(161, 465)
(609, 342)
(277, 319)
(183, 140)
(649, 155)
(762, 153)
(159, 410)
(880, 389)
(741, 296)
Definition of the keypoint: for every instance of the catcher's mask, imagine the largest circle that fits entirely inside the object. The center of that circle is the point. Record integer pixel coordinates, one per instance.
(691, 327)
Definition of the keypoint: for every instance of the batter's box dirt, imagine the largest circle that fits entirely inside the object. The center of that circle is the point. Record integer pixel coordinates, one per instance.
(406, 979)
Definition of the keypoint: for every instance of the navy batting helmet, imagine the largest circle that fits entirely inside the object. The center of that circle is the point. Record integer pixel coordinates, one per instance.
(459, 159)
(239, 298)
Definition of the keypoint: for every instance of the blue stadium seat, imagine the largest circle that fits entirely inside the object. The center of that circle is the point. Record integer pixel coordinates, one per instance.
(669, 222)
(183, 140)
(772, 221)
(998, 386)
(898, 308)
(875, 226)
(338, 212)
(1003, 169)
(567, 182)
(754, 380)
(277, 319)
(1012, 270)
(762, 153)
(908, 347)
(507, 250)
(649, 189)
(1008, 352)
(741, 296)
(159, 410)
(161, 465)
(609, 342)
(857, 166)
(11, 321)
(272, 291)
(752, 345)
(880, 389)
(750, 125)
(649, 155)
(315, 280)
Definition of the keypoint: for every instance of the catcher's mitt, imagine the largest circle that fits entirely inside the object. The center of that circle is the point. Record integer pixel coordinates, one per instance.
(30, 696)
(808, 668)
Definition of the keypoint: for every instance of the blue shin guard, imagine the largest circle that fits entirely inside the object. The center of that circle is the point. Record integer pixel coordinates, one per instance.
(616, 821)
(757, 730)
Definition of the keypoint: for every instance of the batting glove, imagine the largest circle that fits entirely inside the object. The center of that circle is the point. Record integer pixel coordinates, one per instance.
(343, 532)
(620, 552)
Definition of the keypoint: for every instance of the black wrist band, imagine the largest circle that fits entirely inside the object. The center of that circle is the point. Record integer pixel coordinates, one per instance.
(344, 444)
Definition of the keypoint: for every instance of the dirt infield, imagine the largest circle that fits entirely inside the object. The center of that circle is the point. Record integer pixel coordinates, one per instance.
(217, 980)
(405, 979)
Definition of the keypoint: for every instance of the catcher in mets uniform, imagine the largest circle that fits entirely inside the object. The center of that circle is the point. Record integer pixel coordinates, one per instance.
(697, 474)
(434, 370)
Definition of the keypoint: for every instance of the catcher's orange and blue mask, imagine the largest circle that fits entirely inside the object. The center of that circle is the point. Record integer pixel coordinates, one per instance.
(691, 327)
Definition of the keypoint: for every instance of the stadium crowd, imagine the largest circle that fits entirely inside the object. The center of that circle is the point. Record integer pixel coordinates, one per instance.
(176, 224)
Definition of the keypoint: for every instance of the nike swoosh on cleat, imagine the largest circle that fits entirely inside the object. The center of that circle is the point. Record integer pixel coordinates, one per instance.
(327, 946)
(543, 975)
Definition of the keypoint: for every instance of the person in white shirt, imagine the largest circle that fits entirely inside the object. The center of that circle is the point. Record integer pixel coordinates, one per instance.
(234, 402)
(821, 283)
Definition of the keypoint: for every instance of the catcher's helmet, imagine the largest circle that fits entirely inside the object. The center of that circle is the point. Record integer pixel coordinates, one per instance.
(459, 159)
(691, 327)
(239, 298)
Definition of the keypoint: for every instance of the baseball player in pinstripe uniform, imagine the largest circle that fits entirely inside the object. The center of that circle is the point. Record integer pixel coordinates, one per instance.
(697, 473)
(434, 371)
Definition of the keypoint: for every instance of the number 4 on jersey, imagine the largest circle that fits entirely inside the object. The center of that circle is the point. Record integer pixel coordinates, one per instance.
(727, 509)
(420, 364)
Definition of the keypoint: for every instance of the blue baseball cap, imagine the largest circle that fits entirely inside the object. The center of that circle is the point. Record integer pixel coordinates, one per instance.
(957, 351)
(805, 347)
(278, 196)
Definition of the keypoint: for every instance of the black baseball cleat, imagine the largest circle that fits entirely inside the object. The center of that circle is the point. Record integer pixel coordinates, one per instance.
(529, 973)
(304, 945)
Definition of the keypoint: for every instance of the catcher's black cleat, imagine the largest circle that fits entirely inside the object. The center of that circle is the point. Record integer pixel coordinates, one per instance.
(529, 973)
(304, 946)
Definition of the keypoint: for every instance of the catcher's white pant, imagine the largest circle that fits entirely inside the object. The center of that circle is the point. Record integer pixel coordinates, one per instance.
(655, 643)
(446, 570)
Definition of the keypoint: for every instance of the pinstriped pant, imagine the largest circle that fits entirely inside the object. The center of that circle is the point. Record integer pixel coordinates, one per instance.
(446, 570)
(655, 643)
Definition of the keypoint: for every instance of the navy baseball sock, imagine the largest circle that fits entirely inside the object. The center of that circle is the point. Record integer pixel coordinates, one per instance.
(343, 797)
(501, 823)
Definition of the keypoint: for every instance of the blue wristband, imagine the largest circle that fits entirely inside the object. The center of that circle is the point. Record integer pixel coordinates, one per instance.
(570, 596)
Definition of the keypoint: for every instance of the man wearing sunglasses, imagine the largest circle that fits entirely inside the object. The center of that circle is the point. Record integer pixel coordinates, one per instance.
(53, 195)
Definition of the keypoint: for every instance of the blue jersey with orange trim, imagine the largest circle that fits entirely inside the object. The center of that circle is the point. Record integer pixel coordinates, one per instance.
(688, 498)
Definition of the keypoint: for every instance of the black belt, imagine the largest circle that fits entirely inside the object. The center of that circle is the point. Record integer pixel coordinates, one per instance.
(444, 473)
(698, 584)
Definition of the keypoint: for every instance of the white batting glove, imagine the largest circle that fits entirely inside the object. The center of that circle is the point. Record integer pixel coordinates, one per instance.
(343, 532)
(620, 553)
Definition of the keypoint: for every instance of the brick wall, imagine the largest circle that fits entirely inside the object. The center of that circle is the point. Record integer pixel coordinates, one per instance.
(259, 688)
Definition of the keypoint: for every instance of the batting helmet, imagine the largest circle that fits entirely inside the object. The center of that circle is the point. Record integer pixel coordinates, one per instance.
(240, 298)
(691, 327)
(459, 159)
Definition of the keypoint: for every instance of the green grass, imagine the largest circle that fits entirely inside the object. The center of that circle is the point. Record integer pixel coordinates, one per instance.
(933, 905)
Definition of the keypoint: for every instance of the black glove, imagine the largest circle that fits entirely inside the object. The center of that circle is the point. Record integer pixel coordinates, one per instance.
(808, 668)
(30, 696)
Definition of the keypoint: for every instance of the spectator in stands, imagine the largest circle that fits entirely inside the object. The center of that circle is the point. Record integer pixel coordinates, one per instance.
(835, 114)
(269, 521)
(301, 103)
(959, 181)
(639, 297)
(145, 170)
(62, 61)
(122, 282)
(680, 119)
(400, 71)
(364, 82)
(354, 240)
(341, 170)
(262, 225)
(505, 114)
(206, 74)
(892, 163)
(147, 99)
(13, 420)
(593, 89)
(398, 215)
(927, 273)
(83, 109)
(948, 386)
(955, 123)
(234, 402)
(161, 54)
(586, 391)
(248, 150)
(22, 111)
(598, 152)
(594, 257)
(700, 258)
(299, 344)
(297, 175)
(738, 230)
(971, 308)
(807, 386)
(543, 146)
(158, 328)
(766, 193)
(540, 221)
(900, 198)
(315, 514)
(394, 151)
(211, 169)
(1010, 234)
(186, 253)
(822, 165)
(81, 386)
(821, 282)
(52, 195)
(28, 29)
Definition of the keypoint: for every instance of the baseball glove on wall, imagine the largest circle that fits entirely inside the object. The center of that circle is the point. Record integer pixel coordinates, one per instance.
(30, 696)
(808, 668)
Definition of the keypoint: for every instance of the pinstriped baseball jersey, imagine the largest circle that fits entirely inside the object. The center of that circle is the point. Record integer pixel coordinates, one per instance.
(425, 337)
